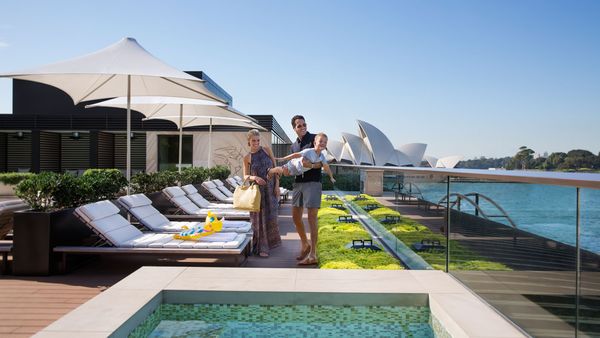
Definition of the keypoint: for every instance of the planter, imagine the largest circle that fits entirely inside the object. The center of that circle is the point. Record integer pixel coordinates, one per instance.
(35, 235)
(7, 189)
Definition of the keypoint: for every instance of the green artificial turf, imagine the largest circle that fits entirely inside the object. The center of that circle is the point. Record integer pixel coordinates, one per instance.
(409, 232)
(333, 238)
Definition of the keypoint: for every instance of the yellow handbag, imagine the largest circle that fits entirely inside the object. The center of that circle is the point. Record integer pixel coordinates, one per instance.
(247, 197)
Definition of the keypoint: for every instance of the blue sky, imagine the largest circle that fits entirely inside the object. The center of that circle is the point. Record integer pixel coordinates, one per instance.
(476, 78)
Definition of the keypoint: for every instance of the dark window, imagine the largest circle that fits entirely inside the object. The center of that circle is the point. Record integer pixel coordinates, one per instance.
(168, 151)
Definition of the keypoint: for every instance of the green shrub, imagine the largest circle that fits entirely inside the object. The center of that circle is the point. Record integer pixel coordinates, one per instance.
(287, 182)
(145, 183)
(49, 191)
(193, 175)
(14, 178)
(104, 183)
(38, 190)
(219, 172)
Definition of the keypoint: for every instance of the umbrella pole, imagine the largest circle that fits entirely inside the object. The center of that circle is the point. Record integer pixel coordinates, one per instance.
(128, 137)
(180, 134)
(209, 142)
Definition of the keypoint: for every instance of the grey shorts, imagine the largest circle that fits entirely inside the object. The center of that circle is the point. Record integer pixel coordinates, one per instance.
(307, 194)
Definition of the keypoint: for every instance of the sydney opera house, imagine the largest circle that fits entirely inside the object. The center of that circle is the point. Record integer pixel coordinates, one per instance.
(372, 147)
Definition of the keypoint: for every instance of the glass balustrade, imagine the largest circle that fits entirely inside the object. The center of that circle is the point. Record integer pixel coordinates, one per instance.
(530, 249)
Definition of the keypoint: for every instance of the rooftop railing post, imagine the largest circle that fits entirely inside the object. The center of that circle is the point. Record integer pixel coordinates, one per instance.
(578, 262)
(447, 223)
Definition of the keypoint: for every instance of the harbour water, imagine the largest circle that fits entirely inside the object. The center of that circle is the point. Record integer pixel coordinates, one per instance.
(549, 211)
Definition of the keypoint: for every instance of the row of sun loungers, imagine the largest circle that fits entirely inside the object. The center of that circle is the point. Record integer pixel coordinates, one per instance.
(117, 235)
(140, 207)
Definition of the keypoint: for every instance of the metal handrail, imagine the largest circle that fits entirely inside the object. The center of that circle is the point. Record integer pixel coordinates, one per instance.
(475, 204)
(578, 180)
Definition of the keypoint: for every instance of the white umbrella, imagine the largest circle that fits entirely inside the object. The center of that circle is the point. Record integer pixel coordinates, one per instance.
(124, 68)
(184, 112)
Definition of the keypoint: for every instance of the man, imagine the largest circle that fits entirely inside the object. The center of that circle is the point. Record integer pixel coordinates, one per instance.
(306, 194)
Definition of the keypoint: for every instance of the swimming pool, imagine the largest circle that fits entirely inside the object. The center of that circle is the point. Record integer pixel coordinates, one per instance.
(231, 320)
(119, 311)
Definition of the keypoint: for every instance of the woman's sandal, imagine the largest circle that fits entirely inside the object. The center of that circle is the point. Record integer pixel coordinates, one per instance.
(303, 254)
(308, 261)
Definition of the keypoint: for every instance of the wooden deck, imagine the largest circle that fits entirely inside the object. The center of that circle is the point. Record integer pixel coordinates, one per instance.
(28, 304)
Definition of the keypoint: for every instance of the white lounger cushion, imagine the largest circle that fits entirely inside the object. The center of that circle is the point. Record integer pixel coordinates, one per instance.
(97, 210)
(192, 194)
(218, 240)
(119, 232)
(212, 189)
(239, 179)
(222, 188)
(228, 226)
(233, 182)
(136, 200)
(174, 191)
(190, 208)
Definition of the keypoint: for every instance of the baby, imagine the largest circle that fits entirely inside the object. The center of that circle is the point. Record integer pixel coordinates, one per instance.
(297, 161)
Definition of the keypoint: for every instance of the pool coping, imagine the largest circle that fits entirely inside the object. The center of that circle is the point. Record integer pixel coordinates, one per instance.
(119, 309)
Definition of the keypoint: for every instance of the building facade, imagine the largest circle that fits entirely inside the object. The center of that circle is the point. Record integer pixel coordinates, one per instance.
(46, 132)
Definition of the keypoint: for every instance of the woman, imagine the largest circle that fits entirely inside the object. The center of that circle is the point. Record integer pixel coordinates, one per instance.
(264, 222)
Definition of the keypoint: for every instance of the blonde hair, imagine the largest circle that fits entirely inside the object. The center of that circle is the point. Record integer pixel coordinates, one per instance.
(321, 134)
(251, 133)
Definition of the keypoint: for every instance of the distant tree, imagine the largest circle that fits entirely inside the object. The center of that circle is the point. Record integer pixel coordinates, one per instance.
(522, 159)
(579, 159)
(484, 163)
(554, 161)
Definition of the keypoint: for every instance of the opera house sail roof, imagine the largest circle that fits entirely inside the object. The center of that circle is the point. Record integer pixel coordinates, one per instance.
(372, 147)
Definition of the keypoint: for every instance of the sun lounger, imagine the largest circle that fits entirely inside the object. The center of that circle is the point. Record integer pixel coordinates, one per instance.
(239, 179)
(7, 209)
(121, 237)
(192, 194)
(5, 249)
(177, 196)
(222, 188)
(428, 245)
(232, 182)
(211, 188)
(141, 208)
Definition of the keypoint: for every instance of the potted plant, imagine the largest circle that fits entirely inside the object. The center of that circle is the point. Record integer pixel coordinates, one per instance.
(50, 222)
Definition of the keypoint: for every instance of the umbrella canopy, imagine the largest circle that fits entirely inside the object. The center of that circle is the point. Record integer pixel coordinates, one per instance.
(106, 73)
(185, 112)
(124, 68)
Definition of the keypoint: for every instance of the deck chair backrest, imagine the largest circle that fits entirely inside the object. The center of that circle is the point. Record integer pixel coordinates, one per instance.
(178, 197)
(221, 186)
(239, 179)
(192, 193)
(140, 206)
(233, 182)
(213, 190)
(104, 219)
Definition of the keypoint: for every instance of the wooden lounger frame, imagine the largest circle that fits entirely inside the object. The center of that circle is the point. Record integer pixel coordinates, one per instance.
(239, 254)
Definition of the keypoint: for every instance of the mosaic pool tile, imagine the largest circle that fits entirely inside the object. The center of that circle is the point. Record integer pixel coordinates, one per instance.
(223, 320)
